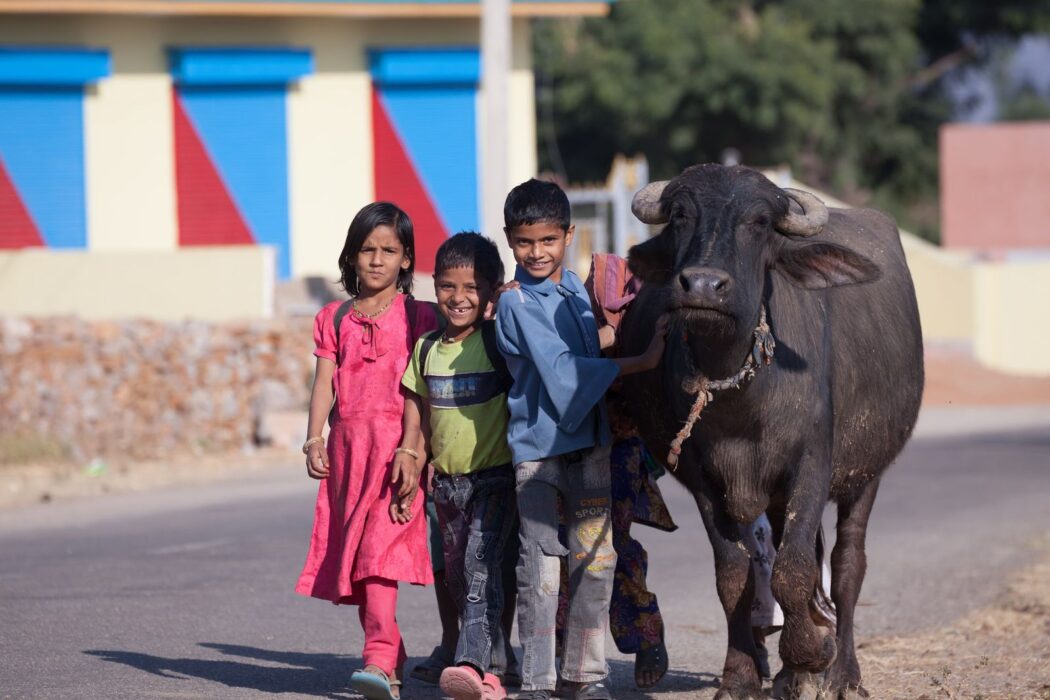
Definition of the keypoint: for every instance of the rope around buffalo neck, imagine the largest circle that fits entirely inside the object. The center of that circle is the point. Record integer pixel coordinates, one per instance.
(695, 383)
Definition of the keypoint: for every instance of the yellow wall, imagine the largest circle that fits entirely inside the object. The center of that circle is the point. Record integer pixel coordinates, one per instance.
(1011, 330)
(995, 308)
(944, 281)
(128, 142)
(214, 283)
(522, 159)
(128, 121)
(331, 177)
(944, 287)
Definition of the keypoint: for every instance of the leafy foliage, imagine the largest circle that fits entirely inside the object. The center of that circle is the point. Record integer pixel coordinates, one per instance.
(950, 25)
(1025, 103)
(846, 93)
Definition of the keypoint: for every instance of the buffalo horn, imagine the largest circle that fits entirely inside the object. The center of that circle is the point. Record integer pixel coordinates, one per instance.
(646, 203)
(812, 219)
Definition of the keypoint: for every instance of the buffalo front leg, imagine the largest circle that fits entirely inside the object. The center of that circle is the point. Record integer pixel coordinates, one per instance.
(804, 646)
(735, 582)
(848, 566)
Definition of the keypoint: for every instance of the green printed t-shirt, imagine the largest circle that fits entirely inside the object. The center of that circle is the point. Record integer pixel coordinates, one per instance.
(468, 405)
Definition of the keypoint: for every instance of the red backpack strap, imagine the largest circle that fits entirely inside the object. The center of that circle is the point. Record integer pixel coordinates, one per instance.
(413, 309)
(337, 320)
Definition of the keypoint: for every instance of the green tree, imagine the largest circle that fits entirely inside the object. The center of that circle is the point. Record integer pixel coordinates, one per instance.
(849, 94)
(1024, 103)
(955, 31)
(681, 80)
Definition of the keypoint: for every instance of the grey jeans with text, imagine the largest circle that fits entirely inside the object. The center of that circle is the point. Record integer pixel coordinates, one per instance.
(581, 479)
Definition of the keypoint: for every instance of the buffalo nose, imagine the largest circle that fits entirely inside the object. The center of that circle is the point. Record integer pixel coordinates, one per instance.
(705, 282)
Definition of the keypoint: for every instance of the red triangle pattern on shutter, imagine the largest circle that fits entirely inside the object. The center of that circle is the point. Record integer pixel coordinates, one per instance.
(17, 229)
(397, 181)
(207, 212)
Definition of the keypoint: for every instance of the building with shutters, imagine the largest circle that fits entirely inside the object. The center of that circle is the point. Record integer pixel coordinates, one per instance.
(172, 158)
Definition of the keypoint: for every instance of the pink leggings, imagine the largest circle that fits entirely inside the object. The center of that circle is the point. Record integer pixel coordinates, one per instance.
(378, 612)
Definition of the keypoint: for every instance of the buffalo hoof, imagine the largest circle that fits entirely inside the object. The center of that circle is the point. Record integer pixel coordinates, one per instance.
(814, 655)
(844, 683)
(740, 693)
(798, 685)
(856, 692)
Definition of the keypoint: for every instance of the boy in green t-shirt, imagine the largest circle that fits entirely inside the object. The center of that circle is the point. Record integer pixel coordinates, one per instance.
(459, 378)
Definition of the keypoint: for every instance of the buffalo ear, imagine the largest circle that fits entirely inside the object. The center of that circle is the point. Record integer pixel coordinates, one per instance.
(651, 261)
(822, 265)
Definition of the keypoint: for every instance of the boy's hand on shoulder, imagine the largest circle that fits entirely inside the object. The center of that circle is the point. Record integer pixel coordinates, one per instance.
(490, 311)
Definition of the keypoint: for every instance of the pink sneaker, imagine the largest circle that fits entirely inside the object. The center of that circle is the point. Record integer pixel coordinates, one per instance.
(464, 683)
(493, 688)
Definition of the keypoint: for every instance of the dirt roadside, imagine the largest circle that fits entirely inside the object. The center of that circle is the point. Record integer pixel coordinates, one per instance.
(999, 652)
(50, 482)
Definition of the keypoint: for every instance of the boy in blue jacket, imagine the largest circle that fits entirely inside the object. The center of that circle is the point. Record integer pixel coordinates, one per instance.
(559, 438)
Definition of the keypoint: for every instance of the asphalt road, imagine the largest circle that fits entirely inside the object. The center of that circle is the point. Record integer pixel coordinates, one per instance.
(187, 593)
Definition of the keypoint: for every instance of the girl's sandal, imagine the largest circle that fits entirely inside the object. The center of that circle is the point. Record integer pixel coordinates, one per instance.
(650, 665)
(374, 684)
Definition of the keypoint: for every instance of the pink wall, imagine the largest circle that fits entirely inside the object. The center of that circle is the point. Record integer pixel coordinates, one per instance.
(995, 186)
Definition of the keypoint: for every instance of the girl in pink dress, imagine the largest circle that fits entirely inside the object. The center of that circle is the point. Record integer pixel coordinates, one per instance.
(366, 537)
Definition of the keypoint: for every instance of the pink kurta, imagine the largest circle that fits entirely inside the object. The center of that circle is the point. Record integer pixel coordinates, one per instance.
(353, 536)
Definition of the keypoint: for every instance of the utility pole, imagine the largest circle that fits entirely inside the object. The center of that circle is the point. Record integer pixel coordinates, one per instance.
(495, 80)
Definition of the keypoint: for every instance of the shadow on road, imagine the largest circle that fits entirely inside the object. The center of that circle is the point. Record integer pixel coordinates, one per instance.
(327, 675)
(676, 681)
(322, 675)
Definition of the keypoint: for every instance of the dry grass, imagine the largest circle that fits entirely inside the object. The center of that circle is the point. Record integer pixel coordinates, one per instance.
(1000, 652)
(25, 447)
(46, 480)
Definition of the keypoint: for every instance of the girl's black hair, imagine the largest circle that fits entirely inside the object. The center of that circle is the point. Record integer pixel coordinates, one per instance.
(366, 221)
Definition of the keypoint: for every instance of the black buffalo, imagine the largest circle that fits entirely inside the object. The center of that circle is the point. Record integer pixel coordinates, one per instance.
(822, 421)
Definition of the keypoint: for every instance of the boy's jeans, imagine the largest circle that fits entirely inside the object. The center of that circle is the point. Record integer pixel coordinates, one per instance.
(582, 480)
(477, 514)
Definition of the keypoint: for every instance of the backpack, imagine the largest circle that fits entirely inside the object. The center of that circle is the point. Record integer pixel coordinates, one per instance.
(488, 337)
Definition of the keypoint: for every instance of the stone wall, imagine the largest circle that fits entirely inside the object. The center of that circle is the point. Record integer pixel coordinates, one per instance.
(143, 389)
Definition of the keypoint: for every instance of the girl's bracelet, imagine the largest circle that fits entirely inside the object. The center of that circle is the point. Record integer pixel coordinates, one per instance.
(408, 451)
(311, 442)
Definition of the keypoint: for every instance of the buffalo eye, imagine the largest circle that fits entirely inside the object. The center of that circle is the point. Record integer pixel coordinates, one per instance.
(678, 213)
(762, 221)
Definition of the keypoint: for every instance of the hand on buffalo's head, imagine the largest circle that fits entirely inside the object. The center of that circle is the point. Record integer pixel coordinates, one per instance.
(655, 352)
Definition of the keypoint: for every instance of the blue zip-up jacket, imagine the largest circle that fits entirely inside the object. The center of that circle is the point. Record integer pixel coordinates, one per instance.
(548, 334)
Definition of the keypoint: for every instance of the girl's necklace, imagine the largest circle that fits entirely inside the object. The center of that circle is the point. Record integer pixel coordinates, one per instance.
(372, 315)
